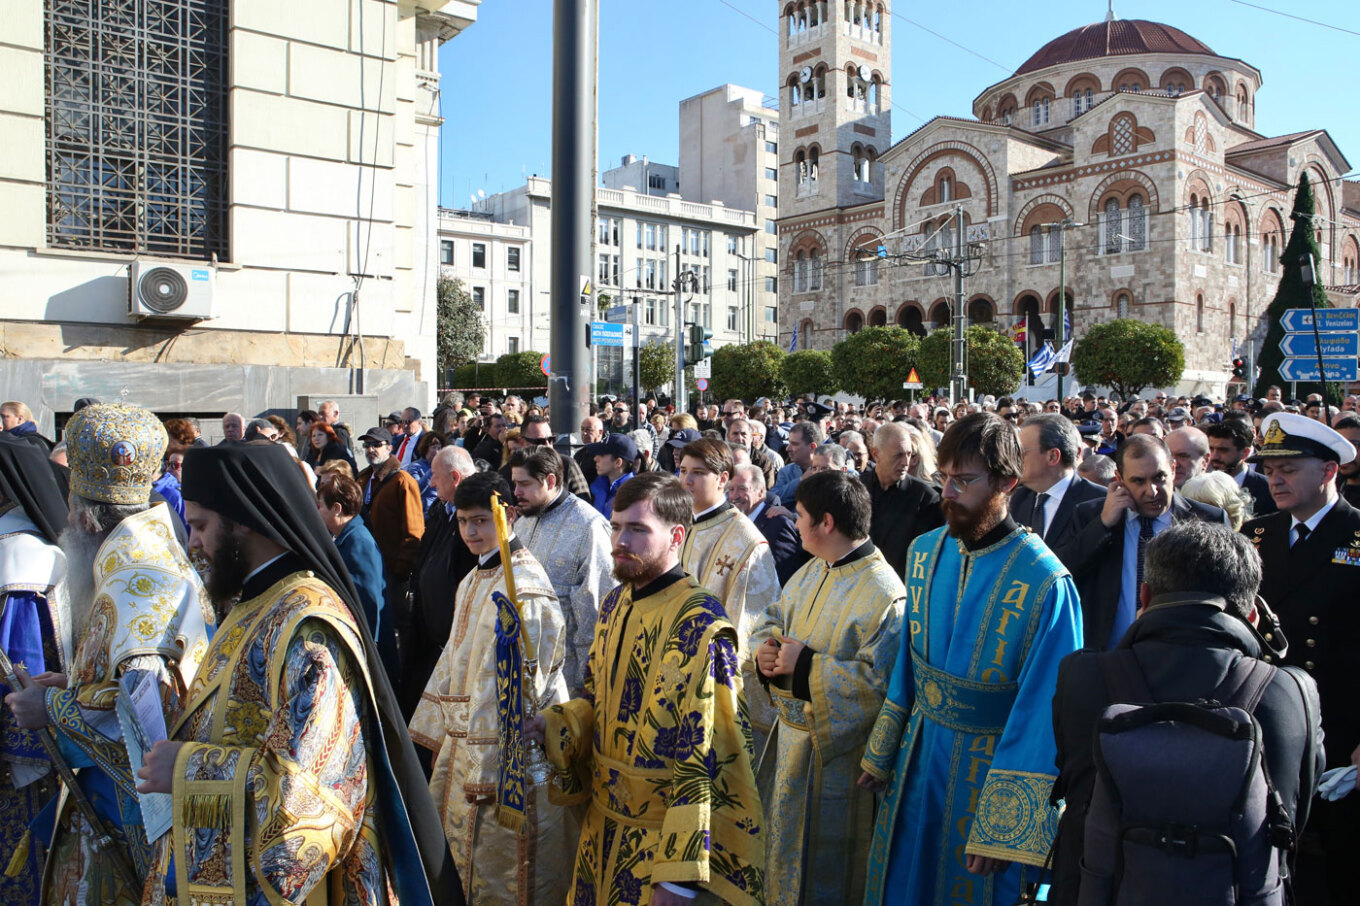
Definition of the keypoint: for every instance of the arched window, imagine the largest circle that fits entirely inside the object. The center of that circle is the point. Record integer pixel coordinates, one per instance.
(814, 271)
(1122, 303)
(1040, 114)
(1114, 227)
(1137, 225)
(874, 89)
(1206, 221)
(1199, 313)
(1082, 101)
(854, 322)
(946, 189)
(1036, 244)
(800, 273)
(1232, 320)
(979, 312)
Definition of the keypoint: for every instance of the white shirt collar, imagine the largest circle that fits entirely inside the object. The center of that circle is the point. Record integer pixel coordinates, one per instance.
(757, 511)
(1313, 520)
(257, 570)
(1060, 487)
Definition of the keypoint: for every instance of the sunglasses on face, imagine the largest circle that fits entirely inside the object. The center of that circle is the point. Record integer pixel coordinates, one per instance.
(370, 445)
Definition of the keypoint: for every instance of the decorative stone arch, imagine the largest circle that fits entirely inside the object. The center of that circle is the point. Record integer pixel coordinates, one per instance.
(1123, 136)
(987, 113)
(853, 322)
(1103, 190)
(1007, 104)
(1027, 216)
(1323, 191)
(1215, 80)
(927, 156)
(1271, 221)
(807, 240)
(1038, 92)
(1082, 82)
(1175, 75)
(1052, 307)
(1242, 95)
(878, 316)
(1019, 305)
(958, 190)
(981, 309)
(939, 313)
(1232, 316)
(1350, 248)
(912, 317)
(805, 329)
(866, 237)
(1198, 136)
(1130, 76)
(1197, 184)
(1235, 213)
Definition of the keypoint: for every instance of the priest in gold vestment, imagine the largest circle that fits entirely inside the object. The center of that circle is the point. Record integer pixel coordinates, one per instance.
(727, 554)
(659, 746)
(458, 719)
(137, 610)
(825, 651)
(292, 777)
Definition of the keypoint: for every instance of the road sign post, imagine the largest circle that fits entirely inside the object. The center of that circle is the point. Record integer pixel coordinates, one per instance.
(1329, 320)
(1305, 370)
(1320, 345)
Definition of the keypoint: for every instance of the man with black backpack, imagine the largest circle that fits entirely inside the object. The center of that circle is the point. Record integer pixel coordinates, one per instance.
(1187, 761)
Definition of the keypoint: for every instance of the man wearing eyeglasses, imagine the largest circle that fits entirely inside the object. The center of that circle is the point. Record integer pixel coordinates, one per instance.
(967, 764)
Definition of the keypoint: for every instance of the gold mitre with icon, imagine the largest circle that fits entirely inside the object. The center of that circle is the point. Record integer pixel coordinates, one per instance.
(115, 452)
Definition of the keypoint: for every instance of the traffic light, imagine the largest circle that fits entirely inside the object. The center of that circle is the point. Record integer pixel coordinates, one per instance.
(697, 348)
(1239, 366)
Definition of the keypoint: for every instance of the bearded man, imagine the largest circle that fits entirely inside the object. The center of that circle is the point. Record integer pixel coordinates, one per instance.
(32, 606)
(967, 765)
(142, 617)
(291, 720)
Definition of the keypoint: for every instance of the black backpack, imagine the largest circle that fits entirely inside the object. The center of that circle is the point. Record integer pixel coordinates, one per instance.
(1183, 811)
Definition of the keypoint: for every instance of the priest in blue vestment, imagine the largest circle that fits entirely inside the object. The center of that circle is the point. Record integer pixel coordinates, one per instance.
(963, 749)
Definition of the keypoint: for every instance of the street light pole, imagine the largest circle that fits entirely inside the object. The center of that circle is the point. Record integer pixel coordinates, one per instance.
(1060, 330)
(960, 342)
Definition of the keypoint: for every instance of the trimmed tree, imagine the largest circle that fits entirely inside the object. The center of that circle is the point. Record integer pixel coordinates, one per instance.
(995, 363)
(810, 371)
(460, 330)
(656, 364)
(747, 371)
(520, 370)
(874, 362)
(1294, 293)
(1127, 355)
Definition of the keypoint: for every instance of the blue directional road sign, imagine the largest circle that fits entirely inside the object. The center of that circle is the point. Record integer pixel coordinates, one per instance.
(1330, 320)
(1333, 344)
(1306, 369)
(603, 333)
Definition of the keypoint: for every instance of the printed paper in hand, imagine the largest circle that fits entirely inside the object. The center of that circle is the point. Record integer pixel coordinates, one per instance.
(139, 713)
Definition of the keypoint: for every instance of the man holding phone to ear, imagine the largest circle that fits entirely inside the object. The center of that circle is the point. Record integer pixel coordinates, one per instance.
(1104, 549)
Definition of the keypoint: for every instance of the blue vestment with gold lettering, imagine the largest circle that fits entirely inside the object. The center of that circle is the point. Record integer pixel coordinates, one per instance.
(965, 737)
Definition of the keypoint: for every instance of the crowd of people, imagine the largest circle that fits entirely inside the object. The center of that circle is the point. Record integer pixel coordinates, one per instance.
(776, 651)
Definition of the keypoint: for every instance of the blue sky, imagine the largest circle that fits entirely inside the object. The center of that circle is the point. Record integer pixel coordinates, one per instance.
(497, 75)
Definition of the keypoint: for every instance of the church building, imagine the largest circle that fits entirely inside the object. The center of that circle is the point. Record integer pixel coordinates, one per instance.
(1123, 152)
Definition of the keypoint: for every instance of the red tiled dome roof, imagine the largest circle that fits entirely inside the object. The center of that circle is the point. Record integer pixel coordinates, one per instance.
(1114, 38)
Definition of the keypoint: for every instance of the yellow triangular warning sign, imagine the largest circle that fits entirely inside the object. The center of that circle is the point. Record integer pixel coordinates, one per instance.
(913, 378)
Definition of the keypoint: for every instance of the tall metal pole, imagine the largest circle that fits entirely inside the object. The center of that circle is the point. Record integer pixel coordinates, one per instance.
(637, 342)
(1060, 331)
(680, 394)
(573, 187)
(960, 344)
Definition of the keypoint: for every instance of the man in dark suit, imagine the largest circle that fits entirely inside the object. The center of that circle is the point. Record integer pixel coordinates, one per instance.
(1310, 562)
(747, 493)
(1104, 549)
(1230, 446)
(903, 507)
(1050, 487)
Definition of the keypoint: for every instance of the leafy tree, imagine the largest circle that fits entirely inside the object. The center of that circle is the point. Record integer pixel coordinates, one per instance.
(1293, 293)
(656, 364)
(460, 329)
(995, 363)
(810, 371)
(1127, 355)
(747, 371)
(521, 370)
(874, 362)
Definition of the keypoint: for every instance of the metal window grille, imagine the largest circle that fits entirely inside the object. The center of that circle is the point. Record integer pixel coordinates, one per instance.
(137, 126)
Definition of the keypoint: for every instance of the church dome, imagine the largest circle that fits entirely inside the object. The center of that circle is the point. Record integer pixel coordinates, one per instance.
(1116, 37)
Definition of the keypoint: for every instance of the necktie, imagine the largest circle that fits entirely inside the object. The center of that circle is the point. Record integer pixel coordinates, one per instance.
(1303, 533)
(1144, 536)
(1040, 514)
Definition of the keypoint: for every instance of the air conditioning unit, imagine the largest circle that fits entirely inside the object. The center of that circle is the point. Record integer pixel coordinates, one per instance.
(171, 291)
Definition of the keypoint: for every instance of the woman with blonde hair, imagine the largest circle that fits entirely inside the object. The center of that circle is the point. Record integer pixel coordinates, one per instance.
(923, 459)
(1218, 489)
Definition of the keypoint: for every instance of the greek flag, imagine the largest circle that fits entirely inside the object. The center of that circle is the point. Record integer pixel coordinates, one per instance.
(1067, 321)
(793, 340)
(1042, 359)
(1064, 354)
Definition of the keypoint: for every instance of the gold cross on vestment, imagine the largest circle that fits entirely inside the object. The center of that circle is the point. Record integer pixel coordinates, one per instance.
(724, 565)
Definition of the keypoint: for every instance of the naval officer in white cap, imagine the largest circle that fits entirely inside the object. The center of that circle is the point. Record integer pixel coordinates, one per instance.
(1310, 557)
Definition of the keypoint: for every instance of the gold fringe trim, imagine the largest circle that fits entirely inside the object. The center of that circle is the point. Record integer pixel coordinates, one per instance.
(207, 810)
(510, 819)
(19, 861)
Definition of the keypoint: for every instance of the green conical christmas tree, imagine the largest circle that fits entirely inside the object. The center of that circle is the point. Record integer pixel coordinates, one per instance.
(1293, 293)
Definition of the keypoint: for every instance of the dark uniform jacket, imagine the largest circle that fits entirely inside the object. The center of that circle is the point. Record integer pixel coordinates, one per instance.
(1255, 484)
(1184, 651)
(1095, 557)
(901, 513)
(785, 545)
(1314, 589)
(1079, 491)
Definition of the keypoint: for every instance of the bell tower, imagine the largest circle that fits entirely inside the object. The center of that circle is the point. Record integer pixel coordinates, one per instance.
(835, 102)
